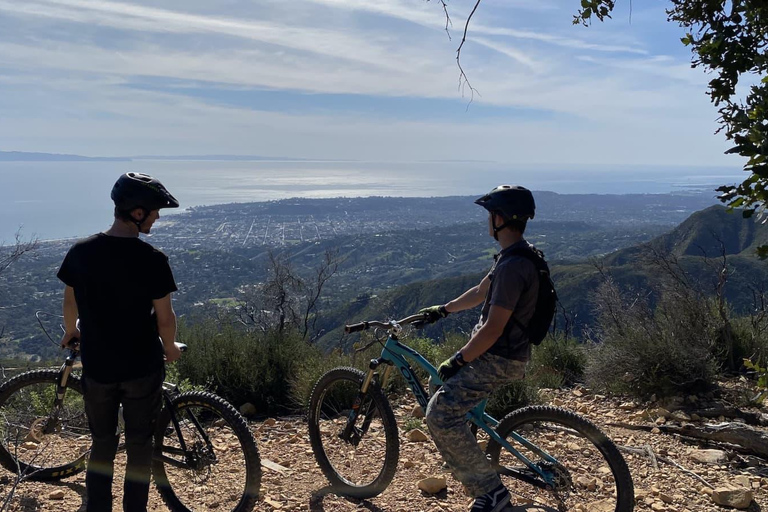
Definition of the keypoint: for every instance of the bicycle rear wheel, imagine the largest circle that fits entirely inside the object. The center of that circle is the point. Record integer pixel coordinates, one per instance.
(36, 441)
(359, 459)
(220, 466)
(590, 473)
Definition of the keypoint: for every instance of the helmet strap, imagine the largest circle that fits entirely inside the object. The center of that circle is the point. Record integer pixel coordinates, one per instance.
(140, 222)
(496, 229)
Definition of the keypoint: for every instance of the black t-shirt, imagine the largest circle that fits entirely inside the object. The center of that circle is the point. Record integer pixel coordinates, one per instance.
(115, 281)
(514, 286)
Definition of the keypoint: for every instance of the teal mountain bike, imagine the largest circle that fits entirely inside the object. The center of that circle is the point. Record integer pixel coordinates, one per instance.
(205, 455)
(547, 455)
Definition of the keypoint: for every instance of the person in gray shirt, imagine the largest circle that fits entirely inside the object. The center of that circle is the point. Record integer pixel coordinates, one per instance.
(497, 351)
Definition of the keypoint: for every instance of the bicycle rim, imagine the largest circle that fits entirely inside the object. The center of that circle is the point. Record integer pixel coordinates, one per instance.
(590, 474)
(362, 462)
(35, 441)
(220, 469)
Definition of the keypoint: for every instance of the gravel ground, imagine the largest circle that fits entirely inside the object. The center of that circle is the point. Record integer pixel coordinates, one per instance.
(292, 480)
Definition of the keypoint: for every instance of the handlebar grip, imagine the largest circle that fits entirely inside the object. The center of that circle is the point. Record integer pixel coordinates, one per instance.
(355, 327)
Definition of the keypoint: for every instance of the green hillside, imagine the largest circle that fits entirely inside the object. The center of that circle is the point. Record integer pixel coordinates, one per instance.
(708, 233)
(697, 245)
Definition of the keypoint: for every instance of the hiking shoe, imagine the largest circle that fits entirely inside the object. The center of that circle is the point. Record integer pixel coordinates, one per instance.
(495, 501)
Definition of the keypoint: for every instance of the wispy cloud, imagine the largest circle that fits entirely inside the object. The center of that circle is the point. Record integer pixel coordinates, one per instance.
(140, 75)
(138, 18)
(427, 15)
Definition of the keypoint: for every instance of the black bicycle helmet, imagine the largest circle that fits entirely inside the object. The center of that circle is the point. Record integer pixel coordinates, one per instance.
(511, 201)
(136, 190)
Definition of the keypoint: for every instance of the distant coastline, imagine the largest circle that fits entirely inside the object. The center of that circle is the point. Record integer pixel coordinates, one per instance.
(20, 156)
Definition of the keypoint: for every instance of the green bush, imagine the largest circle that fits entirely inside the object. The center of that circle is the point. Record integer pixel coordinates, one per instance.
(243, 366)
(309, 371)
(512, 396)
(558, 361)
(751, 339)
(639, 349)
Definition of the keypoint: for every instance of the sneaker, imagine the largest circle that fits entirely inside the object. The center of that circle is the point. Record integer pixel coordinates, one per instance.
(495, 501)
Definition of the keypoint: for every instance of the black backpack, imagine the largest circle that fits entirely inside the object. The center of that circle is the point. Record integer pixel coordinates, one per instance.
(546, 304)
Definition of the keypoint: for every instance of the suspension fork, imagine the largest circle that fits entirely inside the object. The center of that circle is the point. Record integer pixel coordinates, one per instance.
(350, 433)
(177, 427)
(61, 392)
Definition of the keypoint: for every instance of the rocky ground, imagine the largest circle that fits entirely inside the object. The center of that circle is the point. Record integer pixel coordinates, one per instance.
(669, 473)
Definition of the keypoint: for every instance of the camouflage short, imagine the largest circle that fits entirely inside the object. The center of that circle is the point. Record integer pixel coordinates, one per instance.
(450, 431)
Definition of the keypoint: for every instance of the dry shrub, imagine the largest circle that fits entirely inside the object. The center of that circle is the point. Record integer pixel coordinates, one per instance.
(641, 348)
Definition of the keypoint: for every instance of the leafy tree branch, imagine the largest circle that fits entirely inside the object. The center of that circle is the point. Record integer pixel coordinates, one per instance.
(728, 40)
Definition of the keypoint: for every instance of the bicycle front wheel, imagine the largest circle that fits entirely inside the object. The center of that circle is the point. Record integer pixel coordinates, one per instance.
(354, 437)
(210, 461)
(589, 473)
(37, 440)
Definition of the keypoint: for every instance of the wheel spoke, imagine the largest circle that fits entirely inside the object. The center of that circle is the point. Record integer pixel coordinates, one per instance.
(357, 452)
(43, 443)
(589, 475)
(216, 470)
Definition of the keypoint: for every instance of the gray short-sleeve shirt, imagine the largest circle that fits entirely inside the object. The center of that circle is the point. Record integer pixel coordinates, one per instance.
(514, 286)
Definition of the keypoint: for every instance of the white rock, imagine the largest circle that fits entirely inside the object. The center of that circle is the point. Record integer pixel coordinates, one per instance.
(58, 494)
(730, 497)
(680, 416)
(417, 436)
(709, 456)
(432, 485)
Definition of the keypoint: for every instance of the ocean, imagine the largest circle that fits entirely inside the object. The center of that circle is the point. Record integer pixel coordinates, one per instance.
(53, 200)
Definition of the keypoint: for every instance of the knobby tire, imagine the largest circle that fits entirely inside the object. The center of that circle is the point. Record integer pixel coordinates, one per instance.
(25, 402)
(568, 423)
(215, 414)
(327, 419)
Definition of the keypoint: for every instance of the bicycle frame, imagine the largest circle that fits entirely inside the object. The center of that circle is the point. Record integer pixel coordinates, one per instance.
(168, 392)
(396, 354)
(189, 461)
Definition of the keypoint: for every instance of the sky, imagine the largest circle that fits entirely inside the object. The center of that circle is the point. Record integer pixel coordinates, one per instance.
(353, 79)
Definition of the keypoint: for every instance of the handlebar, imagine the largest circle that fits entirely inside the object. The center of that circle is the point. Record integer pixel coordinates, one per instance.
(362, 326)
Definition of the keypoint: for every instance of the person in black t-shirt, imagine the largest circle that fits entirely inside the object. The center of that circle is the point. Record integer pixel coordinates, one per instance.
(117, 302)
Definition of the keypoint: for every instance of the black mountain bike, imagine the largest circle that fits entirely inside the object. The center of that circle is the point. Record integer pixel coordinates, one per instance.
(205, 454)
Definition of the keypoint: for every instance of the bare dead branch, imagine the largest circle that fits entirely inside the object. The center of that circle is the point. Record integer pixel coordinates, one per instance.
(448, 22)
(323, 273)
(648, 451)
(463, 79)
(8, 256)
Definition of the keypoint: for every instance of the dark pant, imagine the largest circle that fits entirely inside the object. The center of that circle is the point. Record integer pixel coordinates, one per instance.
(141, 400)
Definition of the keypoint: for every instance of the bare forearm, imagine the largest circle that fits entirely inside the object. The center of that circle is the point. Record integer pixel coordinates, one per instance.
(167, 331)
(468, 300)
(483, 339)
(70, 312)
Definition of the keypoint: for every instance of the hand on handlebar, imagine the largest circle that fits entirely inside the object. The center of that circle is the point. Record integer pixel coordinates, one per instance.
(70, 340)
(172, 353)
(431, 315)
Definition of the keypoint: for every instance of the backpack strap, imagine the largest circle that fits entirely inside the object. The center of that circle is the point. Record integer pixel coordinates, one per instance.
(536, 257)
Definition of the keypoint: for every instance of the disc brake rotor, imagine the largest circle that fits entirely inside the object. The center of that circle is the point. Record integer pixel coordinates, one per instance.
(37, 430)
